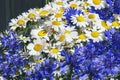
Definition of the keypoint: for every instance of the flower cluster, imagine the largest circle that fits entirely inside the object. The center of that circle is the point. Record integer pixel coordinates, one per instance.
(11, 60)
(65, 23)
(95, 60)
(10, 43)
(66, 39)
(42, 70)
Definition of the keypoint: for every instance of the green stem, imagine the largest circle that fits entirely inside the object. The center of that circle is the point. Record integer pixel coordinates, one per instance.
(90, 77)
(46, 1)
(71, 71)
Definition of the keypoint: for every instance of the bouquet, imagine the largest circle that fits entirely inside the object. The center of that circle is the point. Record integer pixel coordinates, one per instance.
(64, 40)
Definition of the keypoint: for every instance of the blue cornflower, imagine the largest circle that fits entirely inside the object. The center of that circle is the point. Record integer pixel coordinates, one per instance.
(109, 33)
(43, 70)
(10, 43)
(96, 60)
(84, 62)
(11, 64)
(71, 12)
(111, 66)
(107, 13)
(113, 38)
(114, 5)
(110, 2)
(104, 14)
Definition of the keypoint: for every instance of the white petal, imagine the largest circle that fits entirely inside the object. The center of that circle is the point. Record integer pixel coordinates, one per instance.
(30, 46)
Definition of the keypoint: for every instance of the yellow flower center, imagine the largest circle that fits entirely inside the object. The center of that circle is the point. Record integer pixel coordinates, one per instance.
(42, 33)
(20, 21)
(62, 38)
(43, 12)
(91, 16)
(95, 34)
(103, 23)
(38, 47)
(38, 61)
(96, 2)
(55, 50)
(80, 19)
(67, 32)
(24, 38)
(59, 3)
(73, 5)
(58, 15)
(86, 4)
(115, 24)
(86, 11)
(82, 36)
(61, 10)
(31, 15)
(57, 23)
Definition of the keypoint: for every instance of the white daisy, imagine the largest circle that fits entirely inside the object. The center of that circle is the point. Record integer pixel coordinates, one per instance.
(55, 53)
(61, 10)
(60, 38)
(13, 24)
(115, 24)
(32, 15)
(85, 5)
(79, 20)
(105, 24)
(53, 50)
(95, 34)
(82, 38)
(19, 22)
(24, 39)
(39, 33)
(92, 17)
(57, 4)
(70, 34)
(56, 25)
(43, 12)
(57, 16)
(98, 4)
(25, 15)
(36, 47)
(67, 35)
(75, 4)
(99, 24)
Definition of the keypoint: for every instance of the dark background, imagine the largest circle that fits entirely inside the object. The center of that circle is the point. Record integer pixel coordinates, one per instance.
(12, 8)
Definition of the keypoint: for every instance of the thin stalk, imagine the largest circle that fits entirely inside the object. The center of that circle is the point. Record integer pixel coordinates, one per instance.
(90, 77)
(46, 1)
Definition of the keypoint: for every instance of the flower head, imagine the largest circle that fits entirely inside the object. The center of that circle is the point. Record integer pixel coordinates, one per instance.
(11, 43)
(70, 12)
